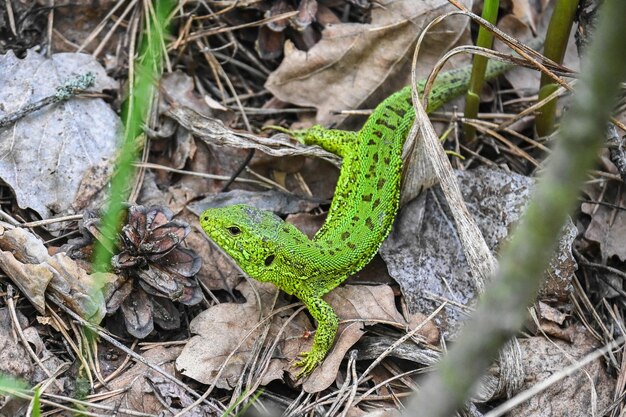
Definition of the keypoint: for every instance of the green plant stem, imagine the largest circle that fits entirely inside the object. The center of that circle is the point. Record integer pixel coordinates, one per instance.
(501, 311)
(555, 46)
(479, 65)
(135, 111)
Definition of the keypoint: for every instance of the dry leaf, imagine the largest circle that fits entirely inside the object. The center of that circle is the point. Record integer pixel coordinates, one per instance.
(608, 224)
(572, 396)
(221, 328)
(364, 63)
(24, 258)
(213, 132)
(76, 20)
(179, 89)
(219, 331)
(147, 391)
(307, 223)
(14, 360)
(44, 156)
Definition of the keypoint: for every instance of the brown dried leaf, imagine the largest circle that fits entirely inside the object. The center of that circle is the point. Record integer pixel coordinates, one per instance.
(226, 325)
(364, 63)
(428, 330)
(76, 20)
(32, 280)
(147, 391)
(14, 359)
(550, 313)
(362, 302)
(95, 180)
(179, 89)
(572, 396)
(219, 330)
(24, 258)
(307, 223)
(608, 224)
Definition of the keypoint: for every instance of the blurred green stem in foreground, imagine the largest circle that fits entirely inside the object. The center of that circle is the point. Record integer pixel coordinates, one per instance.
(502, 309)
(136, 108)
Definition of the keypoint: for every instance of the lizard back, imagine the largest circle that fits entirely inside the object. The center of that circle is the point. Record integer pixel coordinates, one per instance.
(368, 189)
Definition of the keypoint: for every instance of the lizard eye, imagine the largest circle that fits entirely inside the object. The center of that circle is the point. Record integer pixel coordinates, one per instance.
(269, 260)
(234, 230)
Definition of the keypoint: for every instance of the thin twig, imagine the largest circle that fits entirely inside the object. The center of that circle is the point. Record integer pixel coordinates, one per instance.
(67, 90)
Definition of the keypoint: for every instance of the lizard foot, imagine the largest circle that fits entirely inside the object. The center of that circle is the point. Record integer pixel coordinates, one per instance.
(310, 361)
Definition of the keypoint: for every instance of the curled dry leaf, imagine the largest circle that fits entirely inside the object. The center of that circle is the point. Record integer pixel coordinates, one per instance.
(24, 258)
(549, 321)
(213, 132)
(362, 75)
(58, 143)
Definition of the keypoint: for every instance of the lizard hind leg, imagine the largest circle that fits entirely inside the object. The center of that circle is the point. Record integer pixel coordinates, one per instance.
(327, 325)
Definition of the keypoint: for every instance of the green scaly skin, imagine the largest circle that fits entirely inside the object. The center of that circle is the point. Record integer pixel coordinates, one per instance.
(359, 219)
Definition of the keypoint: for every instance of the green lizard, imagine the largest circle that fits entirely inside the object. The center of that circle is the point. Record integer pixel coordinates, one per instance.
(359, 219)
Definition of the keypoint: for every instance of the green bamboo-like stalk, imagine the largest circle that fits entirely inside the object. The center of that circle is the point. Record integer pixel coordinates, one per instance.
(479, 65)
(502, 309)
(556, 42)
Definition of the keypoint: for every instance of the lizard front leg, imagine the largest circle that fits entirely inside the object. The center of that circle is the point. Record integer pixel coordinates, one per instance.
(327, 324)
(339, 142)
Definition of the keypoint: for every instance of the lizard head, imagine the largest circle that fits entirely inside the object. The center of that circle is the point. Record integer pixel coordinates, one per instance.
(248, 235)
